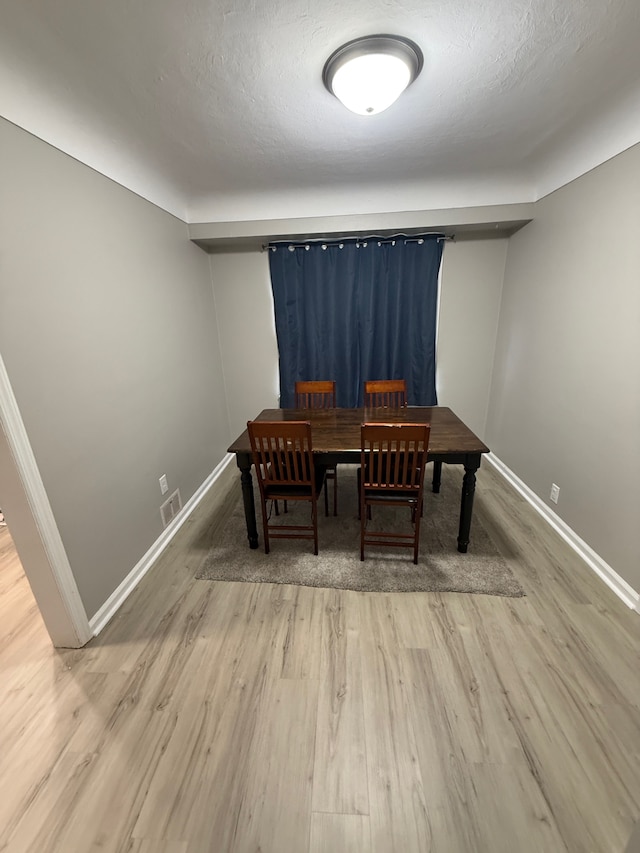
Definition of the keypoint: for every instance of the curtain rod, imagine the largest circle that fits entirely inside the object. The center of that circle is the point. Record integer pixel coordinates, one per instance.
(339, 242)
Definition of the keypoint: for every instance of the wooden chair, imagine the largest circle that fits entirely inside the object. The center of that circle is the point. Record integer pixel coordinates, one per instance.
(387, 393)
(393, 458)
(320, 394)
(316, 395)
(283, 459)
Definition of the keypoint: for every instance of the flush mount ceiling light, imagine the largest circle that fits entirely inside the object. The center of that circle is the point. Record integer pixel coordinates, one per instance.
(368, 74)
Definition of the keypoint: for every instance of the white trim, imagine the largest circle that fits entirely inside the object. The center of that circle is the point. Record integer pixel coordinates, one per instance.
(44, 520)
(124, 590)
(604, 571)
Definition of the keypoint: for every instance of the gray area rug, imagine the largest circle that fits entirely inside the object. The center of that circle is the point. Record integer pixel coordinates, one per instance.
(441, 568)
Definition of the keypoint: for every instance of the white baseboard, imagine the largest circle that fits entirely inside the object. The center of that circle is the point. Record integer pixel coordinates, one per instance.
(124, 590)
(604, 571)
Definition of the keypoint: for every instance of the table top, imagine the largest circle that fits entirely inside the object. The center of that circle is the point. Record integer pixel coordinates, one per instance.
(338, 430)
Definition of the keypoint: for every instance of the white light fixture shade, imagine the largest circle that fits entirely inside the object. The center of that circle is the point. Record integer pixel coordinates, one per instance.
(368, 74)
(370, 83)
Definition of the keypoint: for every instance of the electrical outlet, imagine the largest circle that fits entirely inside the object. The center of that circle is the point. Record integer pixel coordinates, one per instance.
(171, 507)
(555, 493)
(164, 486)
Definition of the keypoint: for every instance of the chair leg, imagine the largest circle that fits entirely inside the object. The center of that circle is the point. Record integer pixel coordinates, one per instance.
(314, 517)
(363, 524)
(265, 525)
(416, 533)
(326, 496)
(286, 508)
(437, 477)
(335, 490)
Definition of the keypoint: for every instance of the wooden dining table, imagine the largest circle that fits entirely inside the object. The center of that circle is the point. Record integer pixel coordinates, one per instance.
(336, 439)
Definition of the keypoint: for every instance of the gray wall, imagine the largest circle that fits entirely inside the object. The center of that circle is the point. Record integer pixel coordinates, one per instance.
(244, 305)
(470, 292)
(471, 285)
(565, 399)
(108, 334)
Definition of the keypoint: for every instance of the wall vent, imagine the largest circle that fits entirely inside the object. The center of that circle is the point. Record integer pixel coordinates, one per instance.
(171, 507)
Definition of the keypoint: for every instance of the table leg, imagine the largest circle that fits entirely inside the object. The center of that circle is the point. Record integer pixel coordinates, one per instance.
(466, 504)
(437, 477)
(244, 464)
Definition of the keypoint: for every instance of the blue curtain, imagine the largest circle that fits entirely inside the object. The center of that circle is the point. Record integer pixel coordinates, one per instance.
(363, 311)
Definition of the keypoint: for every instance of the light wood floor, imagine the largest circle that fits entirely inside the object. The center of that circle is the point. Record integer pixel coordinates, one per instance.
(245, 718)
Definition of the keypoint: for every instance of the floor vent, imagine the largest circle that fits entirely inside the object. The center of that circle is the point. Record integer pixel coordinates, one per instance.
(171, 507)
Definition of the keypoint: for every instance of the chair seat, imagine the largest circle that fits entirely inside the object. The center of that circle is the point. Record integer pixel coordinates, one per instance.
(374, 494)
(395, 496)
(278, 491)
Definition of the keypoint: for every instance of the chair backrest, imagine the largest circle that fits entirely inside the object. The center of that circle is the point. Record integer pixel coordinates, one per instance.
(387, 393)
(316, 395)
(393, 456)
(282, 452)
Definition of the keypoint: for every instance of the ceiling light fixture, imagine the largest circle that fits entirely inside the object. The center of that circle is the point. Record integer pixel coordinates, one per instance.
(368, 74)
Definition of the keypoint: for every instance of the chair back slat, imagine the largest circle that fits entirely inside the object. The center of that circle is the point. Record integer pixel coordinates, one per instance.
(282, 452)
(393, 456)
(316, 395)
(385, 393)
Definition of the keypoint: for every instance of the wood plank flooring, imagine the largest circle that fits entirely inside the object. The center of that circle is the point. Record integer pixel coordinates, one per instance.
(237, 718)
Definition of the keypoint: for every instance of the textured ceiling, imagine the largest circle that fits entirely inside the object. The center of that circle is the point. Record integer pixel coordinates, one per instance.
(197, 102)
